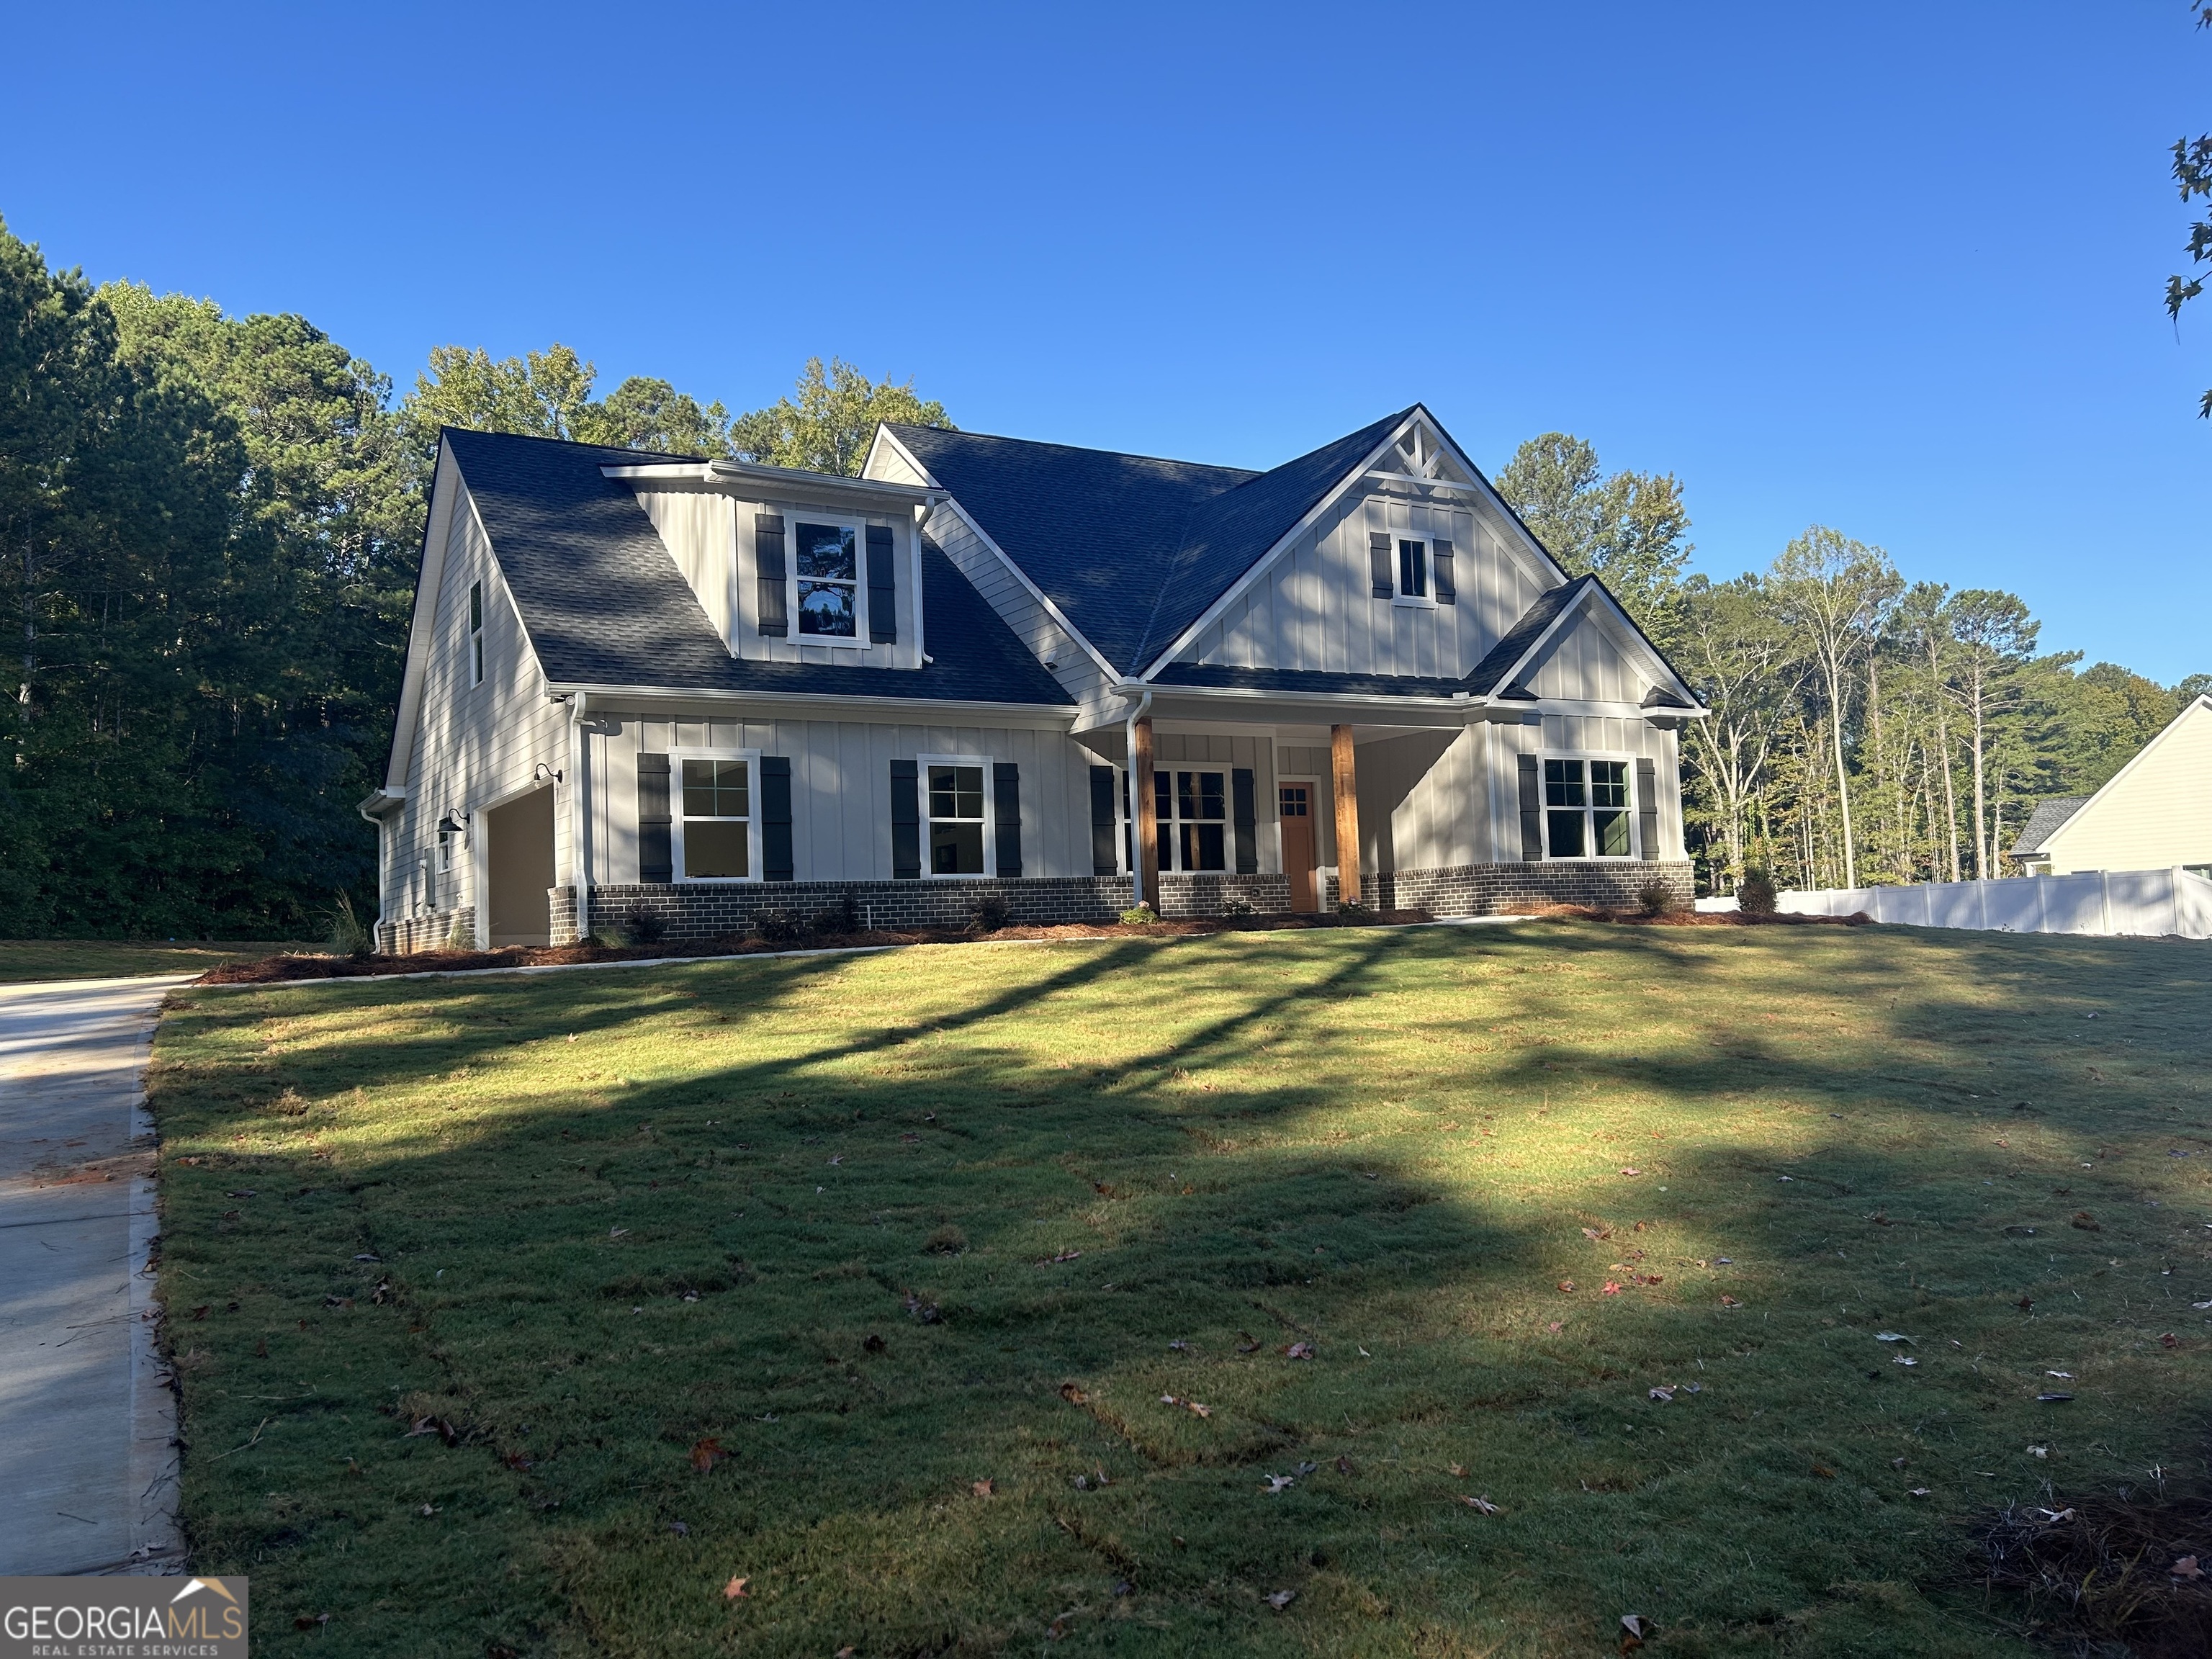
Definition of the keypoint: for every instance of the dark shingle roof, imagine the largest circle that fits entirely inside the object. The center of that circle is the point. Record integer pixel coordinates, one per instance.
(1292, 680)
(2047, 817)
(1515, 642)
(1131, 548)
(605, 604)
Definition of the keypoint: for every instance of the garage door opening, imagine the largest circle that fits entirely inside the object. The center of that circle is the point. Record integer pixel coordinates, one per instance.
(519, 856)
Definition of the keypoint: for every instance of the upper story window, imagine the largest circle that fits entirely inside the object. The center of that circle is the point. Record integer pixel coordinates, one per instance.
(1586, 809)
(1193, 808)
(1413, 569)
(955, 804)
(475, 632)
(826, 566)
(715, 828)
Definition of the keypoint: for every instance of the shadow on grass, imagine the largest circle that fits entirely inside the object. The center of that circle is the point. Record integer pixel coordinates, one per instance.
(710, 1219)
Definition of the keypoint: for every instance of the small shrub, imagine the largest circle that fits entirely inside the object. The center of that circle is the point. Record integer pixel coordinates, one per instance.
(1754, 894)
(780, 926)
(460, 936)
(1351, 913)
(1236, 905)
(644, 926)
(842, 917)
(1656, 898)
(1139, 915)
(991, 914)
(349, 935)
(947, 1240)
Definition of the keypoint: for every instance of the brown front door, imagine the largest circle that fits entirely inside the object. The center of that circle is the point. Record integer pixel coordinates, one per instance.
(1296, 806)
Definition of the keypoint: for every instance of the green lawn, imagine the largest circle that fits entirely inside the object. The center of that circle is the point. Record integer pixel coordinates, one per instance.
(879, 1228)
(22, 959)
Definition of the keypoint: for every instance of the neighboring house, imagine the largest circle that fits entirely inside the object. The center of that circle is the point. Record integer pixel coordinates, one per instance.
(2155, 814)
(703, 690)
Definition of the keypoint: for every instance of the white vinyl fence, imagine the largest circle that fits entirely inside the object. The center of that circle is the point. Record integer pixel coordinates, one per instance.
(2157, 903)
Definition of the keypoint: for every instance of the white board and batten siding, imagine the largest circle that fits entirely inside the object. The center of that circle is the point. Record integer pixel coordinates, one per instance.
(710, 533)
(1314, 607)
(475, 745)
(841, 806)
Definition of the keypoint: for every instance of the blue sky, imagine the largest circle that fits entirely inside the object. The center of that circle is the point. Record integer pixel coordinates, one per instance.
(1896, 268)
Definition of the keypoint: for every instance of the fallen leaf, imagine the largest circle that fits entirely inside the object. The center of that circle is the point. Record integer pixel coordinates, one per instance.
(984, 1488)
(736, 1588)
(367, 1256)
(1824, 1471)
(2086, 1222)
(2038, 1451)
(617, 1232)
(1905, 1359)
(1483, 1504)
(872, 1343)
(1567, 1285)
(1611, 1288)
(1277, 1482)
(427, 1509)
(2053, 1517)
(1245, 1343)
(2025, 1304)
(1458, 1470)
(1299, 1351)
(1179, 1345)
(2201, 1306)
(1555, 1327)
(1282, 1599)
(705, 1452)
(1729, 1301)
(679, 1528)
(1917, 1491)
(1634, 1624)
(2185, 1567)
(2053, 1399)
(1664, 1394)
(2169, 1340)
(1597, 1232)
(1631, 1172)
(1891, 1336)
(2064, 1377)
(1075, 1396)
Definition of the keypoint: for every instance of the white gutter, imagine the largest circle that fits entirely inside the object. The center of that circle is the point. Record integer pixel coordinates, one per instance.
(580, 816)
(1138, 710)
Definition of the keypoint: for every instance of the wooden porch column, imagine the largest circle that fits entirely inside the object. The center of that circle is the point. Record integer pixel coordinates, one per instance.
(1344, 789)
(1148, 822)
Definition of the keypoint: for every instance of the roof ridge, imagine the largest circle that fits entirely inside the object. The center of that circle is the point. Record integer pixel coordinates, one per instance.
(1249, 474)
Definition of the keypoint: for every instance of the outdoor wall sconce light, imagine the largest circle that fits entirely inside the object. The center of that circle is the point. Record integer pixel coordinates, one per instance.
(542, 773)
(454, 823)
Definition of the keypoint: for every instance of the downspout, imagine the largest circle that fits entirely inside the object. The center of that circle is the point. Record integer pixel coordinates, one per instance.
(1138, 710)
(580, 816)
(383, 856)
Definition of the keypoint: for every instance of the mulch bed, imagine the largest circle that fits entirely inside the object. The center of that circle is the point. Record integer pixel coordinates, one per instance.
(1688, 918)
(2127, 1571)
(272, 970)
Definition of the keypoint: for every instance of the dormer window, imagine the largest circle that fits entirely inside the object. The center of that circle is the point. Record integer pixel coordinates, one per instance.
(826, 567)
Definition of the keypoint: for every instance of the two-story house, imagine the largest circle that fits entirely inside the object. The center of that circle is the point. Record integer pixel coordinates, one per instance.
(1069, 678)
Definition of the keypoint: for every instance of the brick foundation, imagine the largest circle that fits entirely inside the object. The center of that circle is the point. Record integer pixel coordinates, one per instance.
(698, 911)
(429, 931)
(1485, 890)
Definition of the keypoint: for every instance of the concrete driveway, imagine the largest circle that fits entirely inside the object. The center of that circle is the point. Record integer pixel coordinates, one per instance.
(86, 1425)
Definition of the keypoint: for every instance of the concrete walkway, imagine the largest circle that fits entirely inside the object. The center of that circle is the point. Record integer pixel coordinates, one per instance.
(87, 1463)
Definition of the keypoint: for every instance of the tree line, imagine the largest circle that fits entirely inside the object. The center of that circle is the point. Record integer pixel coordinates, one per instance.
(210, 527)
(1865, 729)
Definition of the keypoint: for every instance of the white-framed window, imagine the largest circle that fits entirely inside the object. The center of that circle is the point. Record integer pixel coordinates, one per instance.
(1192, 806)
(1590, 807)
(475, 632)
(828, 579)
(955, 814)
(1414, 583)
(713, 814)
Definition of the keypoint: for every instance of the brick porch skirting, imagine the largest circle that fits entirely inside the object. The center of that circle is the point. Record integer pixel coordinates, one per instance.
(1485, 890)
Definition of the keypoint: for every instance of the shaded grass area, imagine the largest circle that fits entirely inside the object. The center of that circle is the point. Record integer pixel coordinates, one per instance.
(858, 1233)
(22, 959)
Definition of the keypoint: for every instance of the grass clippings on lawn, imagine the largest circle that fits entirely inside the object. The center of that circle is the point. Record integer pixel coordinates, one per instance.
(1433, 1292)
(23, 960)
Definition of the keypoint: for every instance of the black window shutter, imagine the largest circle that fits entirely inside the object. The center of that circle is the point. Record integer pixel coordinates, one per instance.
(1006, 795)
(1104, 862)
(1532, 810)
(1378, 563)
(776, 818)
(1647, 807)
(906, 822)
(768, 561)
(1440, 564)
(655, 860)
(1242, 788)
(882, 587)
